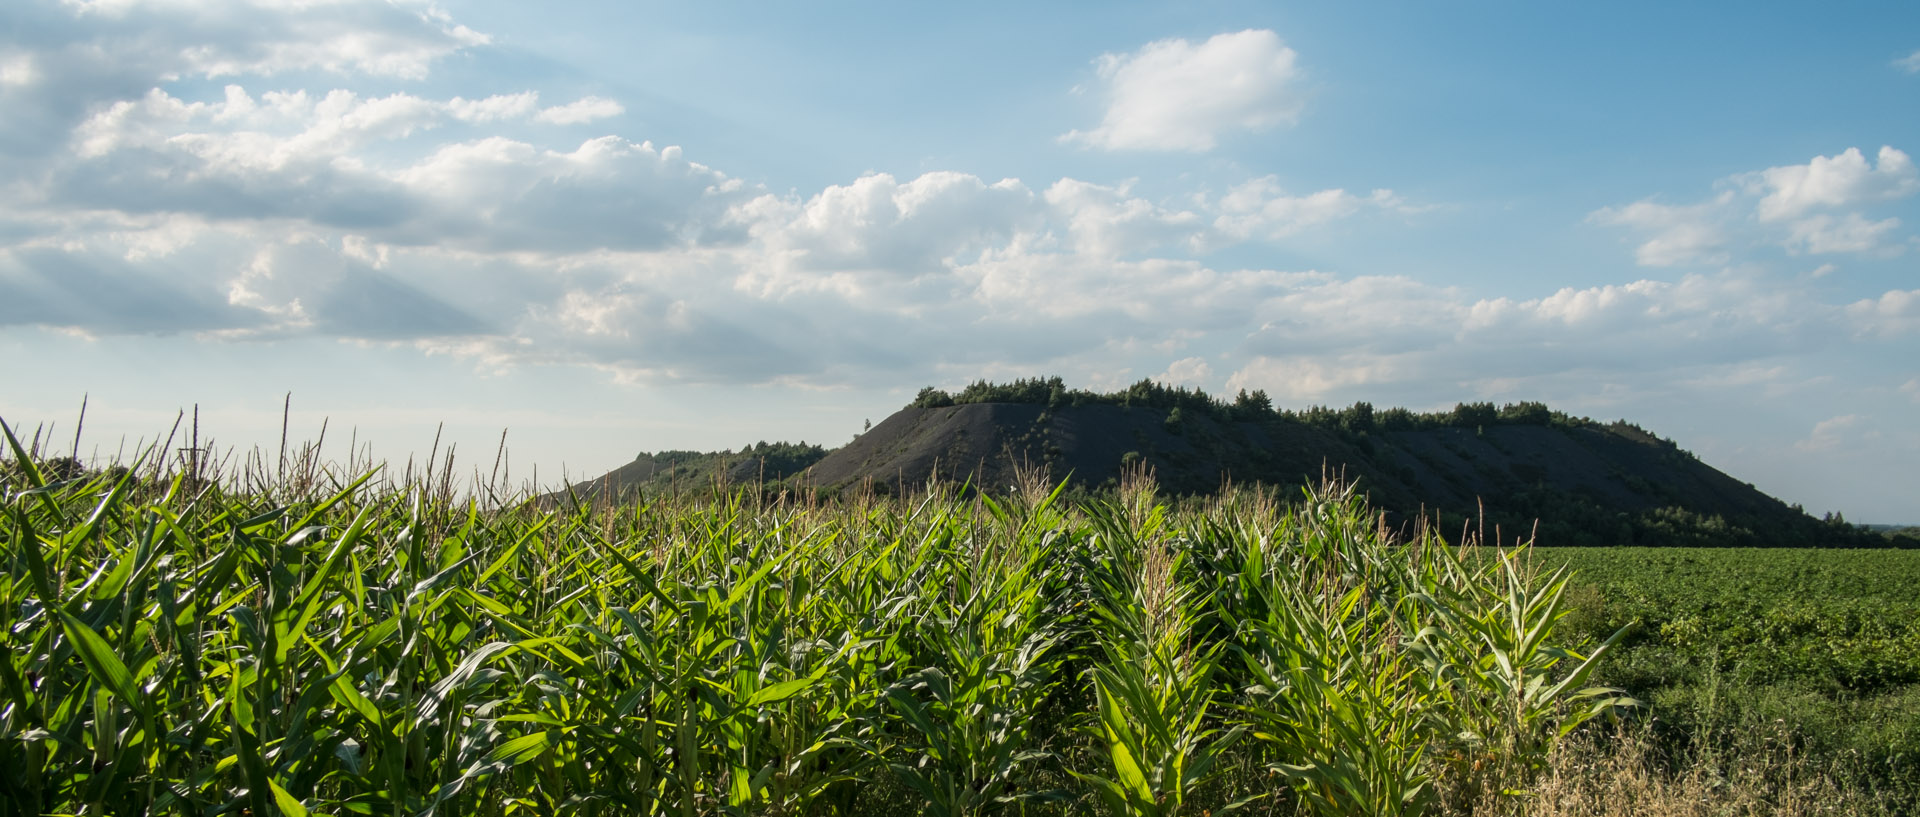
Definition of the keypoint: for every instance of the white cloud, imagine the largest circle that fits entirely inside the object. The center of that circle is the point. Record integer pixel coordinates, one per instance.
(1258, 208)
(1845, 180)
(1109, 221)
(330, 160)
(225, 38)
(1909, 63)
(504, 195)
(1828, 434)
(1175, 94)
(581, 111)
(1341, 334)
(1191, 372)
(1790, 206)
(1849, 233)
(878, 231)
(61, 63)
(1676, 234)
(1895, 312)
(1302, 378)
(242, 133)
(496, 108)
(18, 69)
(1011, 299)
(456, 226)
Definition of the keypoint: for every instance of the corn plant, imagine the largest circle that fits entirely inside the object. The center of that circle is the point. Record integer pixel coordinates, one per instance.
(1155, 686)
(1506, 692)
(181, 642)
(1343, 723)
(988, 665)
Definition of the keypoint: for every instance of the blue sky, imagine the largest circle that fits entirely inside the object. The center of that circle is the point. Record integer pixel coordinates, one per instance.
(618, 227)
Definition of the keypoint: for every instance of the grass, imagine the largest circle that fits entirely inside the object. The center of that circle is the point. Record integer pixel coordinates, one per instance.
(192, 643)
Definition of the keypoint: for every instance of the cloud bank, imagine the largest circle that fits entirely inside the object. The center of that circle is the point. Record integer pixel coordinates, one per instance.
(234, 186)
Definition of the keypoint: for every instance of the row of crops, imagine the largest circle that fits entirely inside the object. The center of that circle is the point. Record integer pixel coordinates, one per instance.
(173, 647)
(1742, 653)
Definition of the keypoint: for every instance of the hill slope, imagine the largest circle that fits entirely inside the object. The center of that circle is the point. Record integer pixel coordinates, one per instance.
(675, 471)
(1585, 483)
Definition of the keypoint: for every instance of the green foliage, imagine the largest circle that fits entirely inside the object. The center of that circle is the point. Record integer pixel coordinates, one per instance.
(1526, 413)
(782, 459)
(683, 471)
(1818, 649)
(1387, 678)
(931, 397)
(1247, 406)
(1252, 406)
(390, 649)
(1906, 537)
(1156, 687)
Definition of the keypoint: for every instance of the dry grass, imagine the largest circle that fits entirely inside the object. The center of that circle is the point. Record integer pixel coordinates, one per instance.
(1622, 774)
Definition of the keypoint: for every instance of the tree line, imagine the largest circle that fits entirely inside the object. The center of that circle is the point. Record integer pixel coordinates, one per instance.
(1254, 406)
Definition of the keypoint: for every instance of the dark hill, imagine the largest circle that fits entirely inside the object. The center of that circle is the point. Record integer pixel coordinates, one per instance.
(1585, 482)
(1515, 468)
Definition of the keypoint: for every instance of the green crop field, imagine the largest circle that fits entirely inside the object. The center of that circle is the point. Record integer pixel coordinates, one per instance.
(1741, 650)
(344, 645)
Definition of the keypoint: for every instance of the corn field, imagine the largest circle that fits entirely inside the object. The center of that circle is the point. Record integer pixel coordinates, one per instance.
(347, 645)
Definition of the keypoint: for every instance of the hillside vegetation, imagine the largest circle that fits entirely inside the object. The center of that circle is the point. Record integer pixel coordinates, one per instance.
(676, 471)
(1510, 472)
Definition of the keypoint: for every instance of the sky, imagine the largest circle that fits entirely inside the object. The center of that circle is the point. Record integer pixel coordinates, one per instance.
(607, 228)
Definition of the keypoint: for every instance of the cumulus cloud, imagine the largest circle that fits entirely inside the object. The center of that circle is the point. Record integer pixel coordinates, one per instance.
(1018, 296)
(224, 38)
(496, 108)
(581, 111)
(1845, 180)
(1176, 94)
(1108, 221)
(1310, 377)
(1848, 233)
(880, 276)
(1339, 334)
(294, 155)
(1258, 208)
(880, 224)
(63, 61)
(1909, 63)
(505, 195)
(1815, 208)
(1828, 434)
(1190, 371)
(1895, 312)
(1675, 234)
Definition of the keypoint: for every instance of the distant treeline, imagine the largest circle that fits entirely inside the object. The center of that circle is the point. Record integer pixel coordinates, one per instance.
(761, 461)
(778, 457)
(1257, 406)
